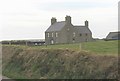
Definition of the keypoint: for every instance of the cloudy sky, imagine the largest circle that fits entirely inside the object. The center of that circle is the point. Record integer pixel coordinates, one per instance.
(28, 19)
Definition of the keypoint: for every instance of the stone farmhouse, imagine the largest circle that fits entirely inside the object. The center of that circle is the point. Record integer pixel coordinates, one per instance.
(65, 32)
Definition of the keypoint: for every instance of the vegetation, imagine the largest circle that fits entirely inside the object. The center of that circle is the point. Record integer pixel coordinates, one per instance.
(98, 47)
(66, 61)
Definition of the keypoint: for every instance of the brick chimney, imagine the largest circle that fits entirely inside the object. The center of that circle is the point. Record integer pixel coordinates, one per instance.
(53, 20)
(68, 19)
(86, 23)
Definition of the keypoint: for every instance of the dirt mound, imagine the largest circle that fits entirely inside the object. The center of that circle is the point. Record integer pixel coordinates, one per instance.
(19, 63)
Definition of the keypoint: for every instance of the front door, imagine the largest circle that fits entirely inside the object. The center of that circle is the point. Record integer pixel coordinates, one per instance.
(52, 42)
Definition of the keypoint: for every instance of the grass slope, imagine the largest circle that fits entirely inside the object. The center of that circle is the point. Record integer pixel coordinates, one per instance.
(56, 62)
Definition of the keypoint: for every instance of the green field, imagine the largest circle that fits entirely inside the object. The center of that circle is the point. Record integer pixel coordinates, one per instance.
(97, 47)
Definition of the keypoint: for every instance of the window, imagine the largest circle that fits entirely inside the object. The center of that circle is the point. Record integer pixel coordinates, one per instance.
(73, 40)
(80, 34)
(56, 42)
(36, 44)
(52, 34)
(68, 29)
(48, 34)
(56, 34)
(86, 34)
(73, 34)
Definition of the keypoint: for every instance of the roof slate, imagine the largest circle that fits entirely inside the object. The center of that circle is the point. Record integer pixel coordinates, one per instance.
(56, 26)
(59, 25)
(111, 35)
(82, 29)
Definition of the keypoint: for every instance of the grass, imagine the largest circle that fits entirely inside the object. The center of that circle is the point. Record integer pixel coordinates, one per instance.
(20, 62)
(64, 61)
(98, 47)
(104, 47)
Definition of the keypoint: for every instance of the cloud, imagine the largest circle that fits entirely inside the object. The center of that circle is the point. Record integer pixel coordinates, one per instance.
(30, 18)
(58, 6)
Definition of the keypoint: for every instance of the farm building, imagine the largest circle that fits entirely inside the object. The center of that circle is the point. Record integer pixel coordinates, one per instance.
(66, 32)
(113, 36)
(35, 42)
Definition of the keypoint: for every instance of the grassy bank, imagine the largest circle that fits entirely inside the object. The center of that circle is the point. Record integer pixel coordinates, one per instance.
(57, 62)
(98, 47)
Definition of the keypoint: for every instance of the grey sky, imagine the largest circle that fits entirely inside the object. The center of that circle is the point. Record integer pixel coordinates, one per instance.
(28, 19)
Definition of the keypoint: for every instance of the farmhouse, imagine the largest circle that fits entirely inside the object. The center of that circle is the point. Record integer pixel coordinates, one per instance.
(113, 36)
(66, 32)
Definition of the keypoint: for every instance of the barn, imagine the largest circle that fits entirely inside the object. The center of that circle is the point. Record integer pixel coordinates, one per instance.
(113, 36)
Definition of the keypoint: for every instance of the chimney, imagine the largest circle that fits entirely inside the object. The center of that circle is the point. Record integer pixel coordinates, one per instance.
(68, 19)
(86, 23)
(53, 20)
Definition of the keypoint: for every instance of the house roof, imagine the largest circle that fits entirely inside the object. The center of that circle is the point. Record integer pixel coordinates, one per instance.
(56, 26)
(36, 40)
(59, 25)
(82, 29)
(112, 35)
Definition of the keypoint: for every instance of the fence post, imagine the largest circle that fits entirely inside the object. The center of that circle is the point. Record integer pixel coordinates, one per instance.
(9, 42)
(80, 46)
(26, 43)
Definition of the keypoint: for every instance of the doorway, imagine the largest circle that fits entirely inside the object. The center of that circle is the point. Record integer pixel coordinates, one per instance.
(52, 42)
